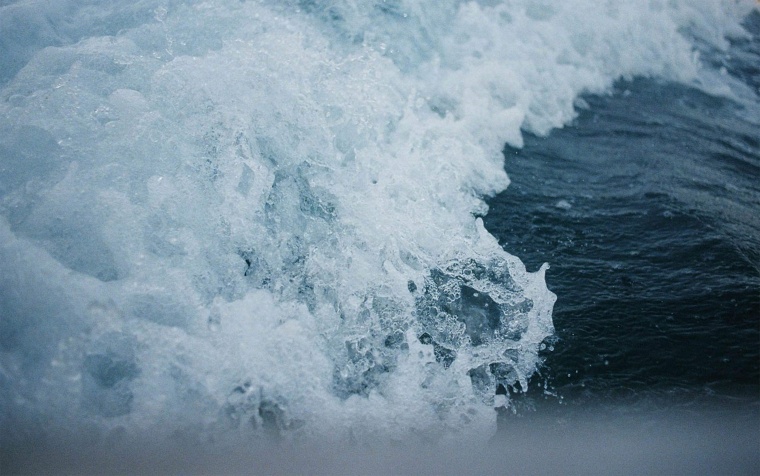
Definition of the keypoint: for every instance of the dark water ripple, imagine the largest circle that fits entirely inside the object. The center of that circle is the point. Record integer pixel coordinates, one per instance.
(648, 210)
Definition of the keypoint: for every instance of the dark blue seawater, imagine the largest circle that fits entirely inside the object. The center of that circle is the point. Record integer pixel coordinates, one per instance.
(648, 210)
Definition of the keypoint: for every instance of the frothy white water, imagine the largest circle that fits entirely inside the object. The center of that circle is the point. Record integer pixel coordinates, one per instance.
(259, 218)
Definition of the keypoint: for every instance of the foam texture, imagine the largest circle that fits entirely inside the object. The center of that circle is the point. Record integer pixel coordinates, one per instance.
(245, 219)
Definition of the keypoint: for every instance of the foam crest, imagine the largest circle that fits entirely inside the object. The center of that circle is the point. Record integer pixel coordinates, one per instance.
(260, 219)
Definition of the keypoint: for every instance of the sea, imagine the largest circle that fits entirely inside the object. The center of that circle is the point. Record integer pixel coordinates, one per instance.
(379, 236)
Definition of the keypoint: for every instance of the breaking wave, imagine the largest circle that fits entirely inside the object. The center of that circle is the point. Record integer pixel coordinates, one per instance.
(262, 218)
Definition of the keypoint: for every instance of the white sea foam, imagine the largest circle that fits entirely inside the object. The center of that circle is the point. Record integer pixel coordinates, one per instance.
(256, 218)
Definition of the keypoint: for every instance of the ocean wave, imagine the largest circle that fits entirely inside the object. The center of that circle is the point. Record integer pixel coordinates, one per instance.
(262, 218)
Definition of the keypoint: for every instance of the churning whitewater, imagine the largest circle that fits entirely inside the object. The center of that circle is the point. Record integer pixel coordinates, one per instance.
(253, 218)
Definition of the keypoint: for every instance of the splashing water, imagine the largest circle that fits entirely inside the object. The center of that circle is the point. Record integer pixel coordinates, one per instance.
(261, 218)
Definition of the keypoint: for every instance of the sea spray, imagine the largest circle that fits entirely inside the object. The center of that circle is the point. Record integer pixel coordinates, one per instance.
(227, 219)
